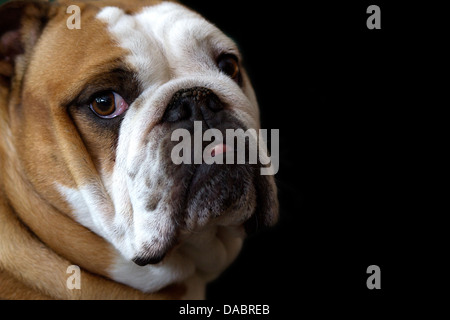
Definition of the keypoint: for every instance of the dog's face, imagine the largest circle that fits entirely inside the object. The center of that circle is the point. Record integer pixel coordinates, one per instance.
(98, 107)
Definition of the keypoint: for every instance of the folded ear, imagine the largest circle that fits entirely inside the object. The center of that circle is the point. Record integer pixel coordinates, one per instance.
(21, 23)
(267, 207)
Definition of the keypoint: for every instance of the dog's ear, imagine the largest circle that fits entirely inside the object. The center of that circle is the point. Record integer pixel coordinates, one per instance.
(267, 207)
(21, 23)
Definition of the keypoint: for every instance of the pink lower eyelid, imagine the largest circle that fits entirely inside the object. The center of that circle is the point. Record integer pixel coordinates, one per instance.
(122, 106)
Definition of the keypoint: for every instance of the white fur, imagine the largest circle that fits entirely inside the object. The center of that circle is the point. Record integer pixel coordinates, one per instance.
(198, 260)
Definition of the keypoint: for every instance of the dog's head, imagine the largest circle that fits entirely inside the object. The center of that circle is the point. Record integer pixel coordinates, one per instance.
(95, 109)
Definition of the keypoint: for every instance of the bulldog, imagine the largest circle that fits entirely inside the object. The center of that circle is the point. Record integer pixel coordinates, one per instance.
(87, 180)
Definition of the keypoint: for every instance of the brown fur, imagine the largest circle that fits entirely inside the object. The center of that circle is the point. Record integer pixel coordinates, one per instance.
(40, 145)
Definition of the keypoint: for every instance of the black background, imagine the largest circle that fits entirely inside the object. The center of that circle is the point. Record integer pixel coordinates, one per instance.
(347, 102)
(336, 91)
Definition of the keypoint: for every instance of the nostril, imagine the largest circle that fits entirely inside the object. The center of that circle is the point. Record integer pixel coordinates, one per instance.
(214, 104)
(178, 111)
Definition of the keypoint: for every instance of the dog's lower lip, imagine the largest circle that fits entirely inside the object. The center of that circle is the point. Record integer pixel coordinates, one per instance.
(142, 262)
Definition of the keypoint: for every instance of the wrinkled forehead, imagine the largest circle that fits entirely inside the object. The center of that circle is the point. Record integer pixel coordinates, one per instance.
(166, 35)
(157, 41)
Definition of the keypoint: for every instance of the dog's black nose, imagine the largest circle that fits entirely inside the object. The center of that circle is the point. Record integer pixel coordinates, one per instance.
(194, 104)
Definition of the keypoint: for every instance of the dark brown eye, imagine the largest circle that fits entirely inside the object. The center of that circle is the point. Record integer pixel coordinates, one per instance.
(229, 65)
(104, 104)
(108, 105)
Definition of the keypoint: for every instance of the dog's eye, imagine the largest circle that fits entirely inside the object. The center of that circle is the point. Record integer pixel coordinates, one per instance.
(108, 105)
(229, 64)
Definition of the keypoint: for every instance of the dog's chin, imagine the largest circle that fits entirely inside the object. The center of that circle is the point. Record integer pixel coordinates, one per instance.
(210, 196)
(220, 192)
